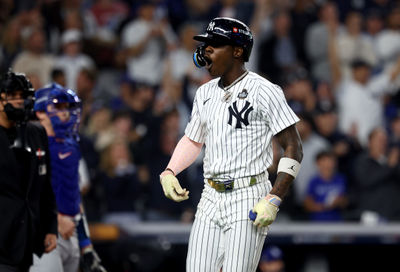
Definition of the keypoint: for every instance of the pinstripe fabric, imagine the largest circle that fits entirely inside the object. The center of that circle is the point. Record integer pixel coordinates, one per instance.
(236, 125)
(222, 234)
(232, 152)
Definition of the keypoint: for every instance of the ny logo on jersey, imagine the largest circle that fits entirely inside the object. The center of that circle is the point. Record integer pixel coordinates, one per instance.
(234, 112)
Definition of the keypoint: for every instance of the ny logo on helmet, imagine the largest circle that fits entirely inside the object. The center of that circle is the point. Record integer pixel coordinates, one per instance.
(211, 26)
(234, 112)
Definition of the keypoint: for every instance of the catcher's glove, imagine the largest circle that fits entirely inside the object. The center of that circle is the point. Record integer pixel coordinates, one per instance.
(90, 261)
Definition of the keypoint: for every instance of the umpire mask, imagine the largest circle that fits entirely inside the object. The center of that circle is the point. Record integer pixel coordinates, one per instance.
(13, 82)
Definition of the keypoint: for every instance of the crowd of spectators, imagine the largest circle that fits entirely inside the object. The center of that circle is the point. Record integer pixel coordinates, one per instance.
(130, 62)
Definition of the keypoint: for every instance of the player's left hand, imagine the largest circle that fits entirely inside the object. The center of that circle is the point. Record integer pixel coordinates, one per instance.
(266, 210)
(50, 242)
(90, 261)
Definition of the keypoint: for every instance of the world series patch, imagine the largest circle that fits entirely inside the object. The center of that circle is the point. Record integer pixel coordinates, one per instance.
(243, 94)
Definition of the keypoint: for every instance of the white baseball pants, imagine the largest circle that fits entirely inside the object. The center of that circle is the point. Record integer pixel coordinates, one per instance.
(222, 234)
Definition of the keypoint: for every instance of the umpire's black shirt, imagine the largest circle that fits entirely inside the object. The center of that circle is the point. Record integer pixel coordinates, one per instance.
(27, 205)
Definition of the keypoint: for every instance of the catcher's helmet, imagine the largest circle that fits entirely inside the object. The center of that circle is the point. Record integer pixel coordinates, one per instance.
(48, 99)
(229, 31)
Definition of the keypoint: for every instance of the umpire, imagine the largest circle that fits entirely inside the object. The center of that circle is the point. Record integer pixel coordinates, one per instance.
(27, 206)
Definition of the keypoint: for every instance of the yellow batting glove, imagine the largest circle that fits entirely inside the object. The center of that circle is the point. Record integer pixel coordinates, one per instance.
(172, 188)
(266, 210)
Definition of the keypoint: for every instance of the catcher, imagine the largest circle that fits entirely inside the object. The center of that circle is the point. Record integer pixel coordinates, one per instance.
(58, 110)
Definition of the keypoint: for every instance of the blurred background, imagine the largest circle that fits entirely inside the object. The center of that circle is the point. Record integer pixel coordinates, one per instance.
(130, 62)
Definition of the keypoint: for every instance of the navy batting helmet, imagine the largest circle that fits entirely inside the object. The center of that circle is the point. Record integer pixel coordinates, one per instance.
(229, 31)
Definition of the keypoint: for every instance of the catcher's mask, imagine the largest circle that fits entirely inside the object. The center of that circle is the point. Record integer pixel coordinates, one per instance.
(54, 99)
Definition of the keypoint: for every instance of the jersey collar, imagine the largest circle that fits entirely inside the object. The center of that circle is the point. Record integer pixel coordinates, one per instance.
(233, 83)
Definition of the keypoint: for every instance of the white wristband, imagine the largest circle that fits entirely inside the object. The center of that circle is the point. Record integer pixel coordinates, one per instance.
(289, 166)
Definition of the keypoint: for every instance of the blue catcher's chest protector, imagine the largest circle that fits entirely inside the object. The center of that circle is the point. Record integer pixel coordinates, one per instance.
(65, 155)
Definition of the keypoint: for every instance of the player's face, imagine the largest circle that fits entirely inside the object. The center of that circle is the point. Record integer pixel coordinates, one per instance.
(220, 57)
(61, 110)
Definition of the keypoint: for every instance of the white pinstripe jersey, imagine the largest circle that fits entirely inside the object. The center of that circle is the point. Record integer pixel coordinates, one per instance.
(237, 132)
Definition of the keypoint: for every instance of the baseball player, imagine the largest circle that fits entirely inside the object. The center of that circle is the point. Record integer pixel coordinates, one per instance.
(58, 110)
(234, 115)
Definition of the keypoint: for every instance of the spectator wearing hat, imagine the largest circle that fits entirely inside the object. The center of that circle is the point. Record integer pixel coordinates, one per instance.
(271, 260)
(72, 59)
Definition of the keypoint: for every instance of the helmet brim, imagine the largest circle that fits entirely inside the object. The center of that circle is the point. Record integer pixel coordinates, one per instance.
(207, 37)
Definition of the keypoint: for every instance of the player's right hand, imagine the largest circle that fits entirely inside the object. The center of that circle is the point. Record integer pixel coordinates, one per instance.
(266, 210)
(172, 188)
